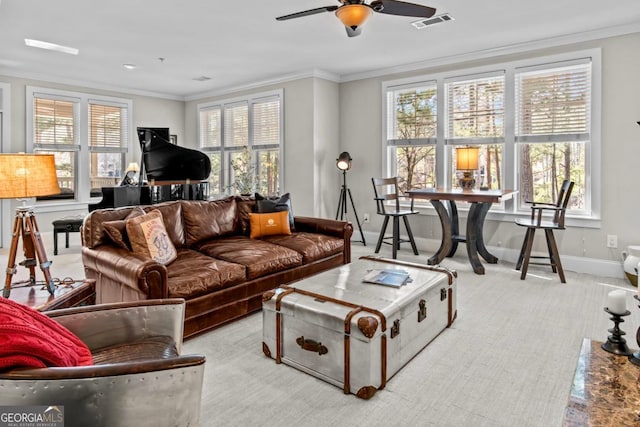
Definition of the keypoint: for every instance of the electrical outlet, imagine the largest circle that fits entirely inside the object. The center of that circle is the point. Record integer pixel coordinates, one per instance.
(365, 217)
(612, 241)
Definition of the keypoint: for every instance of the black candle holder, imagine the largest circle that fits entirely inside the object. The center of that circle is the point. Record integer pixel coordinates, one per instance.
(635, 357)
(615, 343)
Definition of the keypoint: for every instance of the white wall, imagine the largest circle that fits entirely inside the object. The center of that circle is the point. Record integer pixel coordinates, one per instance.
(360, 134)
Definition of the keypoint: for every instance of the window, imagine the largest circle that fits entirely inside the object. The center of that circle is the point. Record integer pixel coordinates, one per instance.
(88, 135)
(553, 131)
(532, 120)
(411, 135)
(108, 127)
(243, 138)
(475, 117)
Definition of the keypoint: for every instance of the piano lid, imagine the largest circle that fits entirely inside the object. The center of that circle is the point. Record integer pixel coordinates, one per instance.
(164, 161)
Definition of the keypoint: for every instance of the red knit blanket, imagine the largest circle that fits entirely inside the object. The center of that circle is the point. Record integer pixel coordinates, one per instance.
(29, 339)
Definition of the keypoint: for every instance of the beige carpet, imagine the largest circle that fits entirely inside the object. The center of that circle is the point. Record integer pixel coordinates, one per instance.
(508, 360)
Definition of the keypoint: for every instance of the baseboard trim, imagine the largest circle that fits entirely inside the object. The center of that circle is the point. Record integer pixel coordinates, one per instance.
(594, 266)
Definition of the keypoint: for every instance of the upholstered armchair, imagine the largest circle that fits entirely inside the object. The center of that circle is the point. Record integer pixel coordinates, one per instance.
(138, 376)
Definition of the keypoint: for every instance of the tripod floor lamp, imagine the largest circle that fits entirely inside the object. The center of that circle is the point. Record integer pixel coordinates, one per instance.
(343, 162)
(23, 176)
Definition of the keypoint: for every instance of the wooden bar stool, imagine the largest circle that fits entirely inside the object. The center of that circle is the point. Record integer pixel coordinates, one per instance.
(548, 224)
(386, 189)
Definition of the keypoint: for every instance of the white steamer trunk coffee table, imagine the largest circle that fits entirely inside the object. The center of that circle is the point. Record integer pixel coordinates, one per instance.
(357, 335)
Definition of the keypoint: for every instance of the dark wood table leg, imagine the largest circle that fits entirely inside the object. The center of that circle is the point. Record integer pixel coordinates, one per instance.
(455, 229)
(482, 249)
(473, 231)
(445, 244)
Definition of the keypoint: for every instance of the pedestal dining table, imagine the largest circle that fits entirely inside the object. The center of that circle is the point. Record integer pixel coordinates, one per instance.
(480, 202)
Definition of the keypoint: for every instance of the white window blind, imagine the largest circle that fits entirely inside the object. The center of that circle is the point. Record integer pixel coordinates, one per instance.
(266, 121)
(412, 115)
(54, 122)
(108, 127)
(210, 135)
(475, 110)
(553, 104)
(236, 125)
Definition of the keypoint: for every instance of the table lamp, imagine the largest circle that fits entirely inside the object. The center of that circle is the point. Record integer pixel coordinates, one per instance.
(24, 176)
(467, 161)
(130, 174)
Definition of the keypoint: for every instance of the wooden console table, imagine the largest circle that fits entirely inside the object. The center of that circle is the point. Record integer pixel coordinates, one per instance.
(605, 390)
(65, 296)
(481, 201)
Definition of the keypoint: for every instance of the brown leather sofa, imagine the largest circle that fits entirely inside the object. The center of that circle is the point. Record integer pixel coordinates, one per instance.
(220, 271)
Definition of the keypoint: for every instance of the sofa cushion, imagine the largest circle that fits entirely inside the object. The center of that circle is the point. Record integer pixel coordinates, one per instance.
(148, 237)
(193, 274)
(172, 218)
(276, 204)
(208, 220)
(311, 246)
(245, 205)
(268, 224)
(93, 233)
(259, 257)
(117, 230)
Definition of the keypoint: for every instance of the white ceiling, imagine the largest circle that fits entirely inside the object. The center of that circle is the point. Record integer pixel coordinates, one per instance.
(239, 43)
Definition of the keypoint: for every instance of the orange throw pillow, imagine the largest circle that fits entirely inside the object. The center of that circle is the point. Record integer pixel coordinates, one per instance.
(268, 224)
(149, 237)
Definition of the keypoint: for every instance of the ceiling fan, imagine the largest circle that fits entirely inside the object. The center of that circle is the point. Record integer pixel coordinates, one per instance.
(353, 13)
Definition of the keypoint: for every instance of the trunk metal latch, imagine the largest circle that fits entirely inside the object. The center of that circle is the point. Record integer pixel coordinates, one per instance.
(422, 310)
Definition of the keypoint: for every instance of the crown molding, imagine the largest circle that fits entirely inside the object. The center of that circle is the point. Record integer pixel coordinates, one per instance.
(315, 73)
(568, 39)
(87, 84)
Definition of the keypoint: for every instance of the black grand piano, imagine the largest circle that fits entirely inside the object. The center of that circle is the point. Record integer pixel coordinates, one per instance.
(168, 172)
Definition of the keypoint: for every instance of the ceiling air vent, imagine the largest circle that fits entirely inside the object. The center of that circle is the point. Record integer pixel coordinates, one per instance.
(423, 23)
(202, 78)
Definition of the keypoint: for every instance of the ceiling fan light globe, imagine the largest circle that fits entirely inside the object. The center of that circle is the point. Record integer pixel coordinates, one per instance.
(353, 15)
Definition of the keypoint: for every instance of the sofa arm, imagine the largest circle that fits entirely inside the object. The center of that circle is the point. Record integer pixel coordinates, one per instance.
(330, 227)
(126, 268)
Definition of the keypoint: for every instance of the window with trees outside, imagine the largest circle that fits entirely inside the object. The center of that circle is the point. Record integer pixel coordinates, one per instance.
(532, 122)
(87, 134)
(243, 138)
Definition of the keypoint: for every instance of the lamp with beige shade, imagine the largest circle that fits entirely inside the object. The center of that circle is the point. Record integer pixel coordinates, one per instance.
(25, 176)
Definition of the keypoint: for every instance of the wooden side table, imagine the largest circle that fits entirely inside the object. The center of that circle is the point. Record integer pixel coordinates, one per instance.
(65, 296)
(605, 390)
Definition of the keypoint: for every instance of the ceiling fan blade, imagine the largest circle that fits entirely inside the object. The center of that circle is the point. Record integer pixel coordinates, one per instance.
(352, 33)
(395, 7)
(307, 12)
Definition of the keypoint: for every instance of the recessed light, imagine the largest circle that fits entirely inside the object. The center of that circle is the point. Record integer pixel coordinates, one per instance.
(51, 46)
(129, 66)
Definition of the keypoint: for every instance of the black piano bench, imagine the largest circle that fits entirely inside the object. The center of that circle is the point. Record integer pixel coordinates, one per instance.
(66, 226)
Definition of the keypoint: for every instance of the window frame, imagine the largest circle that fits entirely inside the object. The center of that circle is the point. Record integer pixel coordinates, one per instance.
(81, 146)
(226, 151)
(590, 219)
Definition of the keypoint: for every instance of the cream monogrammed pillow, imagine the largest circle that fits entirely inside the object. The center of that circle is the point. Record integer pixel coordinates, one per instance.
(149, 237)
